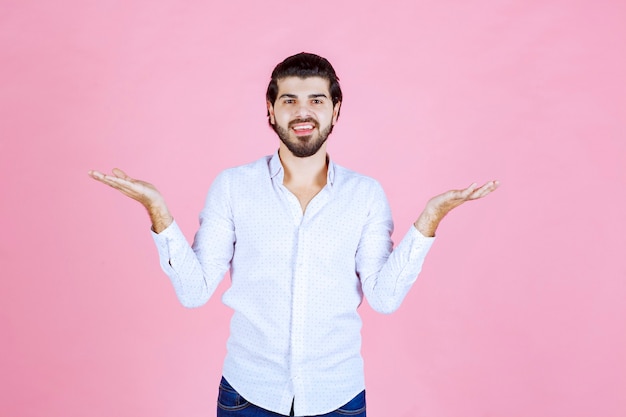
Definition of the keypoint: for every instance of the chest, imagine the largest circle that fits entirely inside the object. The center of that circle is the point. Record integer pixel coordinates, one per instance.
(276, 221)
(304, 195)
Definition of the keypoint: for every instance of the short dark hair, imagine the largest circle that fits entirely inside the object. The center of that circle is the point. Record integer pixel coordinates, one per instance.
(304, 65)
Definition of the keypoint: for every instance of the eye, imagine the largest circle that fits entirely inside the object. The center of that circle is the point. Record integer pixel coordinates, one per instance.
(316, 101)
(289, 101)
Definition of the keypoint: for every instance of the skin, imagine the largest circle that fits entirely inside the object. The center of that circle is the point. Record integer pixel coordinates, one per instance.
(141, 191)
(301, 101)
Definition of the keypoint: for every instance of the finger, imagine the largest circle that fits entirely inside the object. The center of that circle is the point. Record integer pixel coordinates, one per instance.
(95, 174)
(491, 186)
(485, 189)
(468, 191)
(121, 174)
(110, 180)
(99, 176)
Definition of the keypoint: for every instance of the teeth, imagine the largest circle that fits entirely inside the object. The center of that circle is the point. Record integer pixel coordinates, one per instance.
(307, 127)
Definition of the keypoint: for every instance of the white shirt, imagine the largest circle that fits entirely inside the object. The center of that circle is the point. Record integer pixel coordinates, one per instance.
(296, 280)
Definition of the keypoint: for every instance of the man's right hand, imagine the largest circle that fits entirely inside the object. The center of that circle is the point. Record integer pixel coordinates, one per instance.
(141, 191)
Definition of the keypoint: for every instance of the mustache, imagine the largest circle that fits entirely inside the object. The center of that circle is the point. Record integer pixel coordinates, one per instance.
(304, 120)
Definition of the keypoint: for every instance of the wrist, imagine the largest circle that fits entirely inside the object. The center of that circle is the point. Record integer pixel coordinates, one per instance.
(429, 220)
(159, 216)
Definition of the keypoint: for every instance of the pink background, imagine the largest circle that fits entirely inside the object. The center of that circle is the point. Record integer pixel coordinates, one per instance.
(520, 310)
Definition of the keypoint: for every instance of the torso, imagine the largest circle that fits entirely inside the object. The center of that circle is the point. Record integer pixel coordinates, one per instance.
(304, 194)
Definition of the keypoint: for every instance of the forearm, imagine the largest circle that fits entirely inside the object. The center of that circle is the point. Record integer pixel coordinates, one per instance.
(392, 277)
(195, 271)
(193, 283)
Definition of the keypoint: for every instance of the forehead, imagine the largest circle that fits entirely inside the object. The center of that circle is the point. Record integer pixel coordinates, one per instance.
(308, 85)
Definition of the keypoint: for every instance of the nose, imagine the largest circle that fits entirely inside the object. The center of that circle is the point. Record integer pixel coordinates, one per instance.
(303, 110)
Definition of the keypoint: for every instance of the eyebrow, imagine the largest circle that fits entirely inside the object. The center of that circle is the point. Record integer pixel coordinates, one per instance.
(310, 95)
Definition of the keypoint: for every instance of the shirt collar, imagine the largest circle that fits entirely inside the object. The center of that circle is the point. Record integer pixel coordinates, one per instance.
(277, 172)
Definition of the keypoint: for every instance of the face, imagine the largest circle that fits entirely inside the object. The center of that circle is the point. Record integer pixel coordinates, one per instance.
(303, 115)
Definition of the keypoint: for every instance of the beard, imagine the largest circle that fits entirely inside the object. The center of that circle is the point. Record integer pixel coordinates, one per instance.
(303, 146)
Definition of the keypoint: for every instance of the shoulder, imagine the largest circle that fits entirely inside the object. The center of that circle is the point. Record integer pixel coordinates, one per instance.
(257, 167)
(246, 173)
(345, 177)
(361, 193)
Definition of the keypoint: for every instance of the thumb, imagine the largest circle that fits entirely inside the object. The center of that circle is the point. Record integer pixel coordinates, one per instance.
(120, 174)
(469, 190)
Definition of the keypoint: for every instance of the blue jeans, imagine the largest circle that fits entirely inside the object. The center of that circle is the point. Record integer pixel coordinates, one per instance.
(231, 404)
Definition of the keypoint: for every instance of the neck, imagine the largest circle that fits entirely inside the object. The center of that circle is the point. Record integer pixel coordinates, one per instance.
(309, 171)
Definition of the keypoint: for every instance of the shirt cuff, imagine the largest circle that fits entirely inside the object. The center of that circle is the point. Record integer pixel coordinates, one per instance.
(416, 244)
(168, 240)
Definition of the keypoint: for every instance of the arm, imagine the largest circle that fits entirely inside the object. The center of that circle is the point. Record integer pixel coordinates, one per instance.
(194, 273)
(386, 275)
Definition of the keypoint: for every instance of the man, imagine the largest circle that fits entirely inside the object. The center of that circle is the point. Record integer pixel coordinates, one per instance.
(305, 239)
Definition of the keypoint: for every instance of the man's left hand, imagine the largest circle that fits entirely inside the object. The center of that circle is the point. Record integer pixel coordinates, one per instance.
(438, 206)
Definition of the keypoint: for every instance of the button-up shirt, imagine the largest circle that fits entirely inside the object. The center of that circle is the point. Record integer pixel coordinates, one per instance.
(297, 279)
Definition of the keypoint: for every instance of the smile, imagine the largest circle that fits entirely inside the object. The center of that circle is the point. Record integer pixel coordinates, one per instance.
(303, 127)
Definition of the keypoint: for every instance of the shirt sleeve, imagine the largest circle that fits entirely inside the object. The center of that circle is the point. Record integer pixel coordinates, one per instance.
(196, 270)
(387, 275)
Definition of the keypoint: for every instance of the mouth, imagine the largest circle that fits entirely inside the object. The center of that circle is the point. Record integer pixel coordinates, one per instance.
(303, 128)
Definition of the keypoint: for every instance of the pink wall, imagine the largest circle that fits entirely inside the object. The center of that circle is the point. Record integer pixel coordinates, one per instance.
(520, 310)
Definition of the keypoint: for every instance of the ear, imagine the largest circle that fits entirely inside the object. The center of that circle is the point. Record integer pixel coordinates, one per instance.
(270, 111)
(336, 112)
